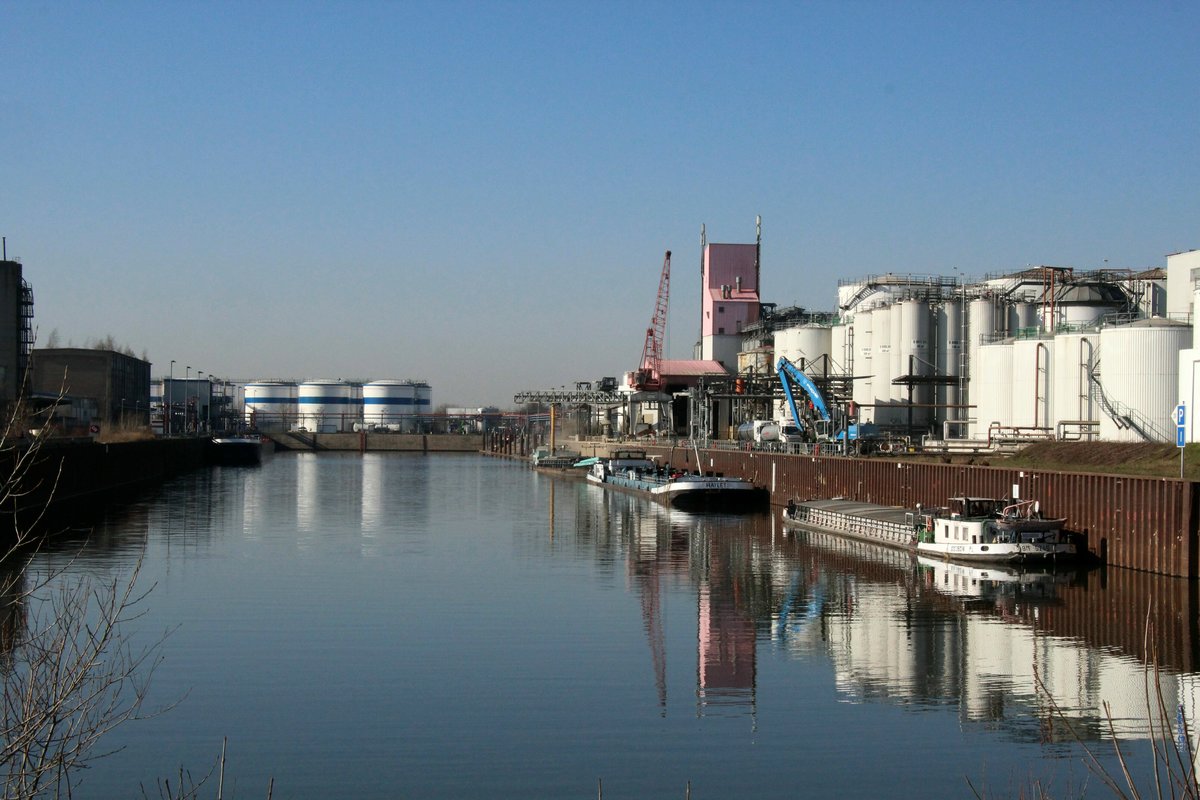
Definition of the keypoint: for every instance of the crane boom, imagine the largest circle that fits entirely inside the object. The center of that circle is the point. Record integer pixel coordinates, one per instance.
(788, 373)
(648, 377)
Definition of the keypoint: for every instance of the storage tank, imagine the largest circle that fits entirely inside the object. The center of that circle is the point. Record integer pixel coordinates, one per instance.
(1139, 378)
(863, 392)
(881, 364)
(271, 405)
(811, 342)
(1022, 319)
(1085, 304)
(387, 404)
(981, 328)
(424, 404)
(328, 406)
(915, 358)
(1071, 395)
(895, 340)
(838, 342)
(948, 357)
(1031, 373)
(992, 388)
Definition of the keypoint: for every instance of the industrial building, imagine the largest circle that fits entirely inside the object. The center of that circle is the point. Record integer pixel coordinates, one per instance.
(116, 385)
(16, 330)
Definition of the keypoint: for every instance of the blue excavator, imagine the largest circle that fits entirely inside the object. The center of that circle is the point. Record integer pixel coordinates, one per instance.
(791, 378)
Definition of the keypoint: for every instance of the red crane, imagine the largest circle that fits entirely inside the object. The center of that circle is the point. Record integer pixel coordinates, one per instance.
(647, 378)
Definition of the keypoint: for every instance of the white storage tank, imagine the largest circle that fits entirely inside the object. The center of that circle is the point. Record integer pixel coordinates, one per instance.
(895, 341)
(1031, 386)
(424, 403)
(992, 388)
(387, 405)
(948, 356)
(915, 358)
(1071, 396)
(1022, 319)
(1085, 304)
(881, 364)
(271, 405)
(1139, 376)
(981, 328)
(838, 342)
(811, 343)
(329, 406)
(863, 392)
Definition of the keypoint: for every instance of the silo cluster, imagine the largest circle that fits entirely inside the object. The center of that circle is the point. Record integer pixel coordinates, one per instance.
(338, 406)
(1044, 352)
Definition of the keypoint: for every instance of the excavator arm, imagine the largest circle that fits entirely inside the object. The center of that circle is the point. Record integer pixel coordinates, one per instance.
(789, 375)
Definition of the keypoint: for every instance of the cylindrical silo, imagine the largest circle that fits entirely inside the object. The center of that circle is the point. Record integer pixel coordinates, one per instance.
(1072, 398)
(327, 406)
(1030, 382)
(387, 403)
(948, 357)
(898, 361)
(812, 343)
(271, 405)
(991, 388)
(864, 370)
(838, 339)
(423, 405)
(1139, 379)
(916, 359)
(981, 328)
(881, 364)
(1022, 319)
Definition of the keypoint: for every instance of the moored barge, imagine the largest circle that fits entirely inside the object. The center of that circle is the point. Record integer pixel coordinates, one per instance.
(971, 529)
(630, 470)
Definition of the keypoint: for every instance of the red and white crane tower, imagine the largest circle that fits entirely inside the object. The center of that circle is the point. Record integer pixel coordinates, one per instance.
(648, 378)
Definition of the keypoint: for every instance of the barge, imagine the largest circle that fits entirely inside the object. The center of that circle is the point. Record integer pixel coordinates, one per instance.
(980, 529)
(630, 470)
(236, 449)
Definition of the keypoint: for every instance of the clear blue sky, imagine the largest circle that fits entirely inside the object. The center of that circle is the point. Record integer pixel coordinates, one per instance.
(480, 194)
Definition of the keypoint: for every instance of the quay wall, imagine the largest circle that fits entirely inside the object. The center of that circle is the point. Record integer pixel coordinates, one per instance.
(1141, 523)
(366, 442)
(75, 475)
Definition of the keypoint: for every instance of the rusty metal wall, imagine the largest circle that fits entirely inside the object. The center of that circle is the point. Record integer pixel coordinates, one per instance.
(1140, 523)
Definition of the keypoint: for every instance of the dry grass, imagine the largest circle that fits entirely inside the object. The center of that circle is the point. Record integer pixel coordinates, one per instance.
(1119, 458)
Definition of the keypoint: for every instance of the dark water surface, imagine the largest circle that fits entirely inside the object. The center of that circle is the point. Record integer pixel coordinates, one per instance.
(415, 626)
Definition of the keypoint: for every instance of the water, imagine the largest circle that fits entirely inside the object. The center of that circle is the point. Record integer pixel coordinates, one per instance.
(392, 625)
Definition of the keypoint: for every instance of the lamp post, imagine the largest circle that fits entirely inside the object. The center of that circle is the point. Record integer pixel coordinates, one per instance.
(200, 377)
(187, 382)
(167, 397)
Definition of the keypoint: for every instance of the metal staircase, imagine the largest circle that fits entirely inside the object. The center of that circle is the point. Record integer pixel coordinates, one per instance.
(1123, 416)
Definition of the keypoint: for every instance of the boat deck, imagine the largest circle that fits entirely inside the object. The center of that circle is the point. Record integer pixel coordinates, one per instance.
(883, 524)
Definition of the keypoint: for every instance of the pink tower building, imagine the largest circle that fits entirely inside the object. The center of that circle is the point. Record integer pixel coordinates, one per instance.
(729, 297)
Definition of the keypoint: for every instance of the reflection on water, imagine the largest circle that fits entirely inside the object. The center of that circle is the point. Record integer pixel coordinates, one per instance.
(996, 641)
(442, 622)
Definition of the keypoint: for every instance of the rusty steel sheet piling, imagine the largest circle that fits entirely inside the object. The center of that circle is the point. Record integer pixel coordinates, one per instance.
(1140, 523)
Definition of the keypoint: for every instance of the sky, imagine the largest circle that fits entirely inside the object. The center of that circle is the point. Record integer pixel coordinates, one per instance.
(479, 194)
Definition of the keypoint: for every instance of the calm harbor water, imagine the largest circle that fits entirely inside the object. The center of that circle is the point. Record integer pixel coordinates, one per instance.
(388, 625)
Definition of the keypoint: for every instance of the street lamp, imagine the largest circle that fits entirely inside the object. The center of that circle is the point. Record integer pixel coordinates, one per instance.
(200, 377)
(187, 382)
(167, 398)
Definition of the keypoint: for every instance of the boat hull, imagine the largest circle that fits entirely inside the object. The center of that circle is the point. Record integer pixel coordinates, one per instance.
(889, 526)
(239, 451)
(711, 494)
